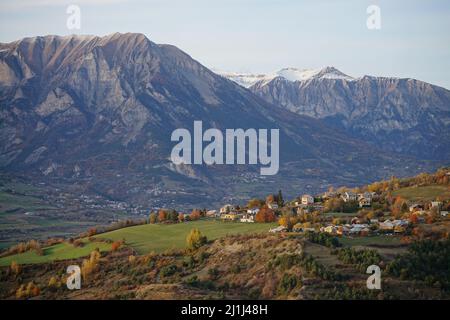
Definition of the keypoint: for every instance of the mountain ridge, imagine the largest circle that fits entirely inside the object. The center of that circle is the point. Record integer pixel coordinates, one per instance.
(401, 115)
(101, 110)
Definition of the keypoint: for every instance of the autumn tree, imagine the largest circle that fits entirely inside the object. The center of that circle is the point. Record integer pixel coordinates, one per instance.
(399, 207)
(334, 205)
(152, 218)
(162, 215)
(195, 239)
(413, 218)
(255, 203)
(287, 221)
(53, 283)
(265, 215)
(15, 268)
(116, 245)
(195, 215)
(31, 290)
(270, 198)
(92, 232)
(90, 265)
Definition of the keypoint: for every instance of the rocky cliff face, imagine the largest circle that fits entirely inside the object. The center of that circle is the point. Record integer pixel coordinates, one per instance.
(100, 111)
(400, 115)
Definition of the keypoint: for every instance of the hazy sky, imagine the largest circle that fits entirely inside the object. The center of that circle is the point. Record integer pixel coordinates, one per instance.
(264, 35)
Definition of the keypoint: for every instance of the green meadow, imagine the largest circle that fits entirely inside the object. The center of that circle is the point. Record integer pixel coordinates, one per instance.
(143, 238)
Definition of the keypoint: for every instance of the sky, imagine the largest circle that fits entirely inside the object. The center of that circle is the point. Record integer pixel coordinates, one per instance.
(262, 36)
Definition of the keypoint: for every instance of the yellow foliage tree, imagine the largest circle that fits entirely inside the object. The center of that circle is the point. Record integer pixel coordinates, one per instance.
(195, 239)
(90, 265)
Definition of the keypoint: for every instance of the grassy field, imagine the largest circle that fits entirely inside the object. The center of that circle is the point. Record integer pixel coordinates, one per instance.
(61, 251)
(144, 238)
(159, 237)
(423, 193)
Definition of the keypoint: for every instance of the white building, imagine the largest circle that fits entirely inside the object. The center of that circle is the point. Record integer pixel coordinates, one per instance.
(253, 211)
(212, 213)
(349, 196)
(227, 209)
(307, 199)
(247, 218)
(273, 205)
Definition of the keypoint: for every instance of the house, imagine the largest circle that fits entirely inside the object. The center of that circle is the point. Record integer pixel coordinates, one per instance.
(233, 216)
(329, 195)
(415, 207)
(330, 229)
(343, 230)
(359, 229)
(401, 223)
(386, 225)
(272, 205)
(307, 199)
(211, 213)
(365, 202)
(349, 196)
(247, 218)
(392, 225)
(253, 211)
(436, 204)
(227, 208)
(365, 195)
(278, 229)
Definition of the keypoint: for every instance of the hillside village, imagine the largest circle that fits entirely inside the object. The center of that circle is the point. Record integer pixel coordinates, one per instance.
(311, 247)
(369, 210)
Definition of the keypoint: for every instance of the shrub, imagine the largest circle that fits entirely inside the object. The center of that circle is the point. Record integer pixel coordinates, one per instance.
(31, 290)
(287, 283)
(195, 239)
(168, 271)
(89, 266)
(53, 283)
(15, 268)
(116, 245)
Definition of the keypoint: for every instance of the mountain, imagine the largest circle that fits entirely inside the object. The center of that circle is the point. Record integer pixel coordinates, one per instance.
(406, 116)
(98, 112)
(247, 80)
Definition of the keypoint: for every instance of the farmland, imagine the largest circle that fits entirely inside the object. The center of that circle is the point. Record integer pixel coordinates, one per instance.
(159, 237)
(143, 238)
(426, 193)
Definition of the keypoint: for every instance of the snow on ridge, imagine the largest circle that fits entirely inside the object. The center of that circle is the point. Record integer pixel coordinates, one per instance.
(290, 74)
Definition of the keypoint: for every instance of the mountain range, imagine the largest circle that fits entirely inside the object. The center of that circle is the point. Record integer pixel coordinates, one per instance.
(407, 116)
(98, 112)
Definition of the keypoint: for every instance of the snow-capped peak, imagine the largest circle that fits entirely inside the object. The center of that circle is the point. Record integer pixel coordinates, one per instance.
(293, 74)
(290, 74)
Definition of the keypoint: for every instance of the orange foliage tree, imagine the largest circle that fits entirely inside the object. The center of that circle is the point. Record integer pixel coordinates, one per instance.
(162, 215)
(195, 214)
(265, 215)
